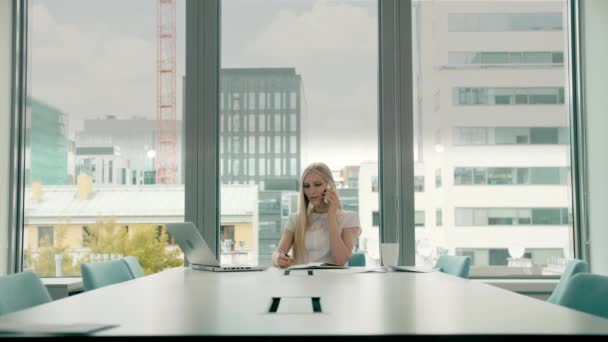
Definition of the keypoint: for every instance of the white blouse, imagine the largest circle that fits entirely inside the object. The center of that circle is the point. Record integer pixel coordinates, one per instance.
(317, 247)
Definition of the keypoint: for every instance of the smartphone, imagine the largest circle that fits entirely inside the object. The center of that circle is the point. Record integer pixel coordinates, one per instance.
(325, 192)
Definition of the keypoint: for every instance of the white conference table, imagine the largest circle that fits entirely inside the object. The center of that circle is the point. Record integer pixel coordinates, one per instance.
(182, 301)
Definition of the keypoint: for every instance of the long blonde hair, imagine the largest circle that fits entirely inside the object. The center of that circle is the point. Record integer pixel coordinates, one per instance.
(305, 208)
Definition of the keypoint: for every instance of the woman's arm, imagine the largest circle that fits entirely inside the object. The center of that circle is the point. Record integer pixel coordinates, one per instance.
(342, 241)
(341, 244)
(278, 257)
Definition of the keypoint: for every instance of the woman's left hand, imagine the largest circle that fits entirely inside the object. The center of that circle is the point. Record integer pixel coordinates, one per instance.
(333, 201)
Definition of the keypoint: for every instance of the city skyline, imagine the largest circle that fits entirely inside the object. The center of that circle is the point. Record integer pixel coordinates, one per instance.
(122, 47)
(490, 116)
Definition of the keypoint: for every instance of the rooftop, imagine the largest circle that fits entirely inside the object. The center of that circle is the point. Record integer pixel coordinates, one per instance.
(131, 204)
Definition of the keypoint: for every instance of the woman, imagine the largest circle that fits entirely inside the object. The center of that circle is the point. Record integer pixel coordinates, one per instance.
(321, 231)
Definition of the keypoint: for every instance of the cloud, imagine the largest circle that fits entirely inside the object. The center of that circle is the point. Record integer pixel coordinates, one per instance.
(99, 69)
(334, 47)
(329, 30)
(89, 71)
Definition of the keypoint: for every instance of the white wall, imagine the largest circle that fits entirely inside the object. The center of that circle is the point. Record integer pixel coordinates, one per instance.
(596, 85)
(5, 91)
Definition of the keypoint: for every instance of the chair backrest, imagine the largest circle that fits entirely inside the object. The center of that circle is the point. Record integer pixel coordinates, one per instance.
(357, 259)
(573, 267)
(105, 273)
(586, 292)
(20, 291)
(133, 266)
(455, 265)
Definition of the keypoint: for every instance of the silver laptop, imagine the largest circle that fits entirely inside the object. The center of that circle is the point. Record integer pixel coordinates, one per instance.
(198, 253)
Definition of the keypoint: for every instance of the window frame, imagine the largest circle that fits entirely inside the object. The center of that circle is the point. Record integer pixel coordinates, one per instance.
(18, 95)
(395, 118)
(202, 132)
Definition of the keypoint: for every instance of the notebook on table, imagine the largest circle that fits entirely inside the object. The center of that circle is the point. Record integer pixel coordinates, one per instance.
(415, 269)
(197, 252)
(316, 266)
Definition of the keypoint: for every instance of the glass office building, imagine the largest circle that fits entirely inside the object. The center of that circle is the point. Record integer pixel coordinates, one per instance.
(47, 142)
(494, 133)
(260, 127)
(491, 127)
(260, 141)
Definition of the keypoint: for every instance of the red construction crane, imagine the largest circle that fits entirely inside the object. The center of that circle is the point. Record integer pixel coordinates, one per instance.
(166, 134)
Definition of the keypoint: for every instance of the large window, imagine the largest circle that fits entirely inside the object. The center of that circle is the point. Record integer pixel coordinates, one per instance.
(298, 84)
(542, 260)
(510, 58)
(501, 137)
(511, 175)
(504, 22)
(103, 138)
(419, 183)
(510, 216)
(419, 218)
(511, 135)
(106, 147)
(508, 96)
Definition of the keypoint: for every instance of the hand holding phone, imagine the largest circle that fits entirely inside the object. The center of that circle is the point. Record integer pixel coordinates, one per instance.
(325, 193)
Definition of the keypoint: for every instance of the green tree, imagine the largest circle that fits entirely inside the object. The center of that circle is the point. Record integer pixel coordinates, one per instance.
(105, 238)
(147, 243)
(44, 263)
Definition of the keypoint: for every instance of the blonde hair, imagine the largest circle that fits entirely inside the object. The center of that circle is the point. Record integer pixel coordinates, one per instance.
(305, 208)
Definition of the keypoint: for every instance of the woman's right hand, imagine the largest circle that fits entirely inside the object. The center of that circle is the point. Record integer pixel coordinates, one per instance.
(283, 260)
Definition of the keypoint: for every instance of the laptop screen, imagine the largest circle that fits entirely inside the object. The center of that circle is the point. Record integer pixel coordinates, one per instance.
(192, 244)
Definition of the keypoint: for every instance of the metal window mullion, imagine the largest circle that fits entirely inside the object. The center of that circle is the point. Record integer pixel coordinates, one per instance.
(578, 145)
(396, 156)
(191, 199)
(17, 139)
(201, 120)
(208, 125)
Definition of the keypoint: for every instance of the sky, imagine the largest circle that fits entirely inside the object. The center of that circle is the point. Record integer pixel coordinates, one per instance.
(96, 58)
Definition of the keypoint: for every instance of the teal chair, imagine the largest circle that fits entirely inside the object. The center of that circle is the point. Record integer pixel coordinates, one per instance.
(20, 291)
(133, 266)
(357, 259)
(104, 273)
(573, 267)
(586, 292)
(455, 265)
